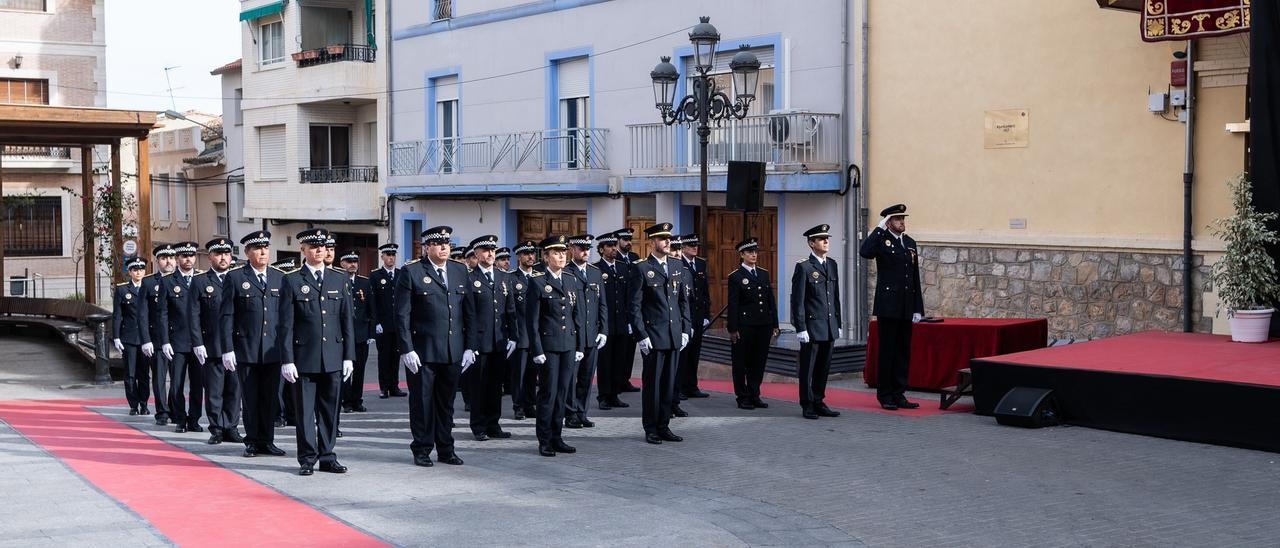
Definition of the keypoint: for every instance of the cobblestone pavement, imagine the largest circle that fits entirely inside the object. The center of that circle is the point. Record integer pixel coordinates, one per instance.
(760, 478)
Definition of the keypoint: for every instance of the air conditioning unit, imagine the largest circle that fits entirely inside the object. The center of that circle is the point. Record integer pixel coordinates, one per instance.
(793, 127)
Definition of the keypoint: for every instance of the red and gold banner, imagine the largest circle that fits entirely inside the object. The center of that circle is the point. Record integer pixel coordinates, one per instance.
(1186, 19)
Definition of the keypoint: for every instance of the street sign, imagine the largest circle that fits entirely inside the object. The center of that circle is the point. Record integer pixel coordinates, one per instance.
(130, 247)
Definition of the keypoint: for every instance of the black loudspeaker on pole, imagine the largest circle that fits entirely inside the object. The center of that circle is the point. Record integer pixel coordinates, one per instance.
(745, 187)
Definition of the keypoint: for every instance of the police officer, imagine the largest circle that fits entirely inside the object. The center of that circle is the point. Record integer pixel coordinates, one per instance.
(175, 341)
(677, 257)
(524, 377)
(753, 322)
(699, 312)
(502, 259)
(284, 396)
(815, 313)
(383, 281)
(899, 302)
(431, 327)
(625, 255)
(363, 312)
(330, 250)
(490, 308)
(458, 253)
(317, 347)
(129, 331)
(251, 298)
(222, 388)
(660, 319)
(595, 326)
(166, 262)
(613, 364)
(556, 341)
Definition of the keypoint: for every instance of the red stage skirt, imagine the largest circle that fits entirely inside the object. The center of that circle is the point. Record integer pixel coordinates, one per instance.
(939, 350)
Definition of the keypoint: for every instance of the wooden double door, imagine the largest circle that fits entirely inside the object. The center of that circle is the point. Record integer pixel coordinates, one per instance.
(720, 248)
(536, 225)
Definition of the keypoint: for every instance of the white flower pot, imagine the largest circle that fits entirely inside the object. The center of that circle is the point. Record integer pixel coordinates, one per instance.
(1250, 326)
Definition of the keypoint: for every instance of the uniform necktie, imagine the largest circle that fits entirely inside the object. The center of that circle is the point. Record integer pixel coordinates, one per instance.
(186, 280)
(664, 270)
(219, 279)
(319, 276)
(440, 273)
(490, 276)
(262, 279)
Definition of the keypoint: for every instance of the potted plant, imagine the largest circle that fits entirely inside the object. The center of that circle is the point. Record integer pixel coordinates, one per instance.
(336, 50)
(1245, 277)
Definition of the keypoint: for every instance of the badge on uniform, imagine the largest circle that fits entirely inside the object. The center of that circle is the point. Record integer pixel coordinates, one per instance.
(746, 281)
(604, 275)
(128, 296)
(383, 281)
(888, 243)
(177, 289)
(244, 285)
(306, 289)
(478, 284)
(815, 275)
(360, 293)
(208, 289)
(649, 273)
(426, 279)
(519, 287)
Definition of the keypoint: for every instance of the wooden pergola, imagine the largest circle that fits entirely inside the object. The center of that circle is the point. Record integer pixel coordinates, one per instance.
(84, 128)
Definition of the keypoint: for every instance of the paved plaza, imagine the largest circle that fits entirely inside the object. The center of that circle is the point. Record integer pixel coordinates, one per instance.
(757, 478)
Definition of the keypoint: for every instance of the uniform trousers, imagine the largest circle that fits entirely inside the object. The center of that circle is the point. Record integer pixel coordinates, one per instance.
(431, 392)
(315, 416)
(749, 356)
(895, 355)
(815, 364)
(555, 378)
(658, 390)
(260, 384)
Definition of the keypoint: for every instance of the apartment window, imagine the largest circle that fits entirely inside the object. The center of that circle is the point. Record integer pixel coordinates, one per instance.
(237, 197)
(724, 78)
(25, 5)
(330, 146)
(325, 27)
(236, 111)
(181, 199)
(20, 91)
(223, 224)
(573, 83)
(271, 152)
(271, 43)
(447, 121)
(33, 227)
(160, 197)
(443, 10)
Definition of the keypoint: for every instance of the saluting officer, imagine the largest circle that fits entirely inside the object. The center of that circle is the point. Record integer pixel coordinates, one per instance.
(899, 302)
(815, 313)
(625, 255)
(317, 345)
(363, 314)
(222, 387)
(660, 318)
(490, 308)
(166, 262)
(524, 378)
(175, 341)
(613, 364)
(431, 327)
(595, 326)
(556, 341)
(383, 281)
(753, 322)
(129, 331)
(250, 317)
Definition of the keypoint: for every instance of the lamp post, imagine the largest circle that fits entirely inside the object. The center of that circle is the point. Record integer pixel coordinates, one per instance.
(707, 103)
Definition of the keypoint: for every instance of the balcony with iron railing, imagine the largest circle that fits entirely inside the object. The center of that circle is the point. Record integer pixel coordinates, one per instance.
(334, 54)
(798, 142)
(338, 174)
(553, 155)
(42, 158)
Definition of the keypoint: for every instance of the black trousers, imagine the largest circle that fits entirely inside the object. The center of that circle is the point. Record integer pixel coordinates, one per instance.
(285, 404)
(750, 354)
(159, 367)
(260, 383)
(658, 389)
(895, 355)
(687, 372)
(815, 364)
(529, 383)
(517, 367)
(580, 394)
(315, 417)
(612, 366)
(486, 391)
(388, 361)
(628, 359)
(353, 388)
(183, 368)
(222, 396)
(555, 378)
(137, 377)
(431, 392)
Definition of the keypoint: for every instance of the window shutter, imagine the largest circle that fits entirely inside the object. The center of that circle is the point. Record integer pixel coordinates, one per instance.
(271, 152)
(446, 88)
(764, 54)
(573, 78)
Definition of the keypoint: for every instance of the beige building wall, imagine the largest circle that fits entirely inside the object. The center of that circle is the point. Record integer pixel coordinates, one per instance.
(1098, 186)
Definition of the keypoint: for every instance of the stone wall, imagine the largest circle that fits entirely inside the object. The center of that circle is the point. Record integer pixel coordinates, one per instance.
(1084, 294)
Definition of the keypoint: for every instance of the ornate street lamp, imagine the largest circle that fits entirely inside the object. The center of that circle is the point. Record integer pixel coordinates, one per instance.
(707, 103)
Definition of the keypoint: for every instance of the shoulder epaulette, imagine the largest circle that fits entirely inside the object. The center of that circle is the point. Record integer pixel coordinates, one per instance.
(121, 284)
(362, 276)
(199, 272)
(590, 265)
(167, 275)
(337, 270)
(236, 267)
(761, 269)
(457, 261)
(411, 262)
(537, 273)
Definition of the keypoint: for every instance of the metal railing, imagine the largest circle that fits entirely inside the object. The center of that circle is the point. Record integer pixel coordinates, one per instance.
(443, 10)
(551, 149)
(334, 54)
(347, 174)
(794, 141)
(25, 152)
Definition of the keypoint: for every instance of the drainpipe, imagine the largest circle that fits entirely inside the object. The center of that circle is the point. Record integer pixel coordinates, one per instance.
(389, 127)
(863, 312)
(1188, 170)
(850, 222)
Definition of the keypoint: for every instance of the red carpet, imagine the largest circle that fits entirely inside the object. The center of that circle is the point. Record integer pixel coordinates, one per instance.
(188, 499)
(1181, 355)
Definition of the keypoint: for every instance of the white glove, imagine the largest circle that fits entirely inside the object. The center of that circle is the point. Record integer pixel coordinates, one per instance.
(803, 337)
(167, 350)
(684, 340)
(705, 323)
(884, 224)
(149, 349)
(916, 317)
(839, 333)
(371, 341)
(377, 329)
(119, 345)
(645, 346)
(229, 361)
(347, 369)
(468, 358)
(628, 329)
(577, 356)
(410, 361)
(540, 359)
(601, 339)
(511, 348)
(289, 372)
(201, 353)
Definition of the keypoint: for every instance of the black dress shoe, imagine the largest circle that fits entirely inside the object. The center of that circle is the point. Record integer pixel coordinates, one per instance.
(546, 450)
(603, 405)
(653, 438)
(384, 395)
(194, 428)
(808, 414)
(619, 403)
(676, 411)
(451, 459)
(824, 411)
(132, 411)
(531, 412)
(667, 435)
(250, 452)
(339, 433)
(398, 393)
(306, 470)
(746, 405)
(422, 460)
(232, 436)
(481, 436)
(586, 423)
(160, 421)
(681, 396)
(903, 403)
(759, 403)
(334, 467)
(280, 423)
(630, 388)
(572, 422)
(181, 429)
(697, 393)
(561, 447)
(888, 405)
(359, 408)
(499, 434)
(518, 414)
(271, 449)
(346, 409)
(214, 439)
(144, 411)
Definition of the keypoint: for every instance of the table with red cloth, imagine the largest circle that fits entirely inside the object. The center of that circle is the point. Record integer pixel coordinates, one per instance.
(939, 350)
